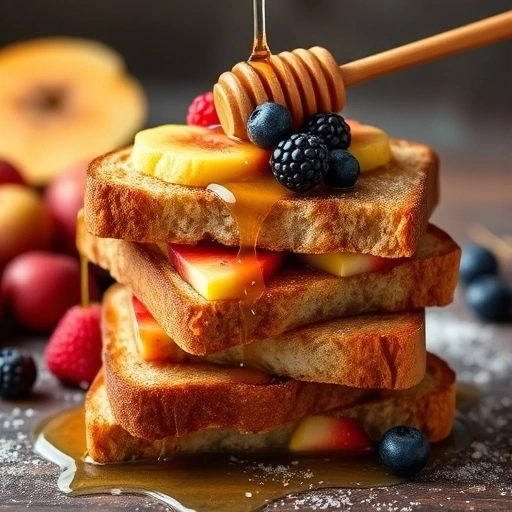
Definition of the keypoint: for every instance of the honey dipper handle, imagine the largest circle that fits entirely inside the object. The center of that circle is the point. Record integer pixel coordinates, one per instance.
(480, 33)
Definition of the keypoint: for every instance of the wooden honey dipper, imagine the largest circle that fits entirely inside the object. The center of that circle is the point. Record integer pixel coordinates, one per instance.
(310, 81)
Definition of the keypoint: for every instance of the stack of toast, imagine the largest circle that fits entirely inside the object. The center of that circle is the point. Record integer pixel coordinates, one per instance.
(242, 374)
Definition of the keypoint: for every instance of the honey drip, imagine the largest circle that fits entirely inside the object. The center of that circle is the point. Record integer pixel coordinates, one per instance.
(249, 202)
(84, 281)
(214, 482)
(260, 49)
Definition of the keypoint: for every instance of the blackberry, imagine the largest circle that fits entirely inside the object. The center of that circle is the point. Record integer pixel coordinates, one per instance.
(269, 124)
(300, 162)
(17, 373)
(343, 170)
(331, 128)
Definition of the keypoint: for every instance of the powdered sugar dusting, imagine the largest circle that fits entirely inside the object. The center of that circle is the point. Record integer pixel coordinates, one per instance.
(468, 346)
(262, 473)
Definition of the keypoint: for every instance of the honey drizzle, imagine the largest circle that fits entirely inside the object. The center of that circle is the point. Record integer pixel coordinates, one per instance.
(84, 281)
(249, 202)
(260, 49)
(215, 482)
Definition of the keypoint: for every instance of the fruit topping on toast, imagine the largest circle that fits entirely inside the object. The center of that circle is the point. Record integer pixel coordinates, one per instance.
(201, 111)
(370, 146)
(218, 272)
(196, 156)
(199, 153)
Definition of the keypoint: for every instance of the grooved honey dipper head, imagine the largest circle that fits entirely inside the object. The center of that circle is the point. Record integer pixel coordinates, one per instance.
(305, 81)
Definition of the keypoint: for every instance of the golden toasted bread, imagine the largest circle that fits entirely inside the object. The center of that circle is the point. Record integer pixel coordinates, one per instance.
(296, 296)
(156, 400)
(429, 406)
(385, 214)
(364, 351)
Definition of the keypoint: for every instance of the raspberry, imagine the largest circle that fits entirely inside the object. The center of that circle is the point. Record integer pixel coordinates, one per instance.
(73, 353)
(202, 111)
(17, 373)
(331, 128)
(300, 162)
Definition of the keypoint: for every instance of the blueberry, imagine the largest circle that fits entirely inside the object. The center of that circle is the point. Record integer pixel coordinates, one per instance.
(404, 450)
(269, 124)
(476, 261)
(343, 169)
(17, 373)
(489, 298)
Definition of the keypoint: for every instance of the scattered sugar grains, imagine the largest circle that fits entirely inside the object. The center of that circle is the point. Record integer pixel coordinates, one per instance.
(468, 347)
(262, 473)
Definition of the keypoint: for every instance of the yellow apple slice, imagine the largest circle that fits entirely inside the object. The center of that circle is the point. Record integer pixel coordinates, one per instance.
(218, 273)
(64, 101)
(345, 264)
(196, 156)
(153, 342)
(370, 146)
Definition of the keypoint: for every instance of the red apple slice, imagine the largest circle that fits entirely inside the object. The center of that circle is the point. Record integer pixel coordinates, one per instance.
(346, 264)
(153, 342)
(216, 271)
(328, 433)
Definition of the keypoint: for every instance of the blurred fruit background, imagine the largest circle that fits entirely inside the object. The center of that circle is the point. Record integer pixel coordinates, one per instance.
(64, 101)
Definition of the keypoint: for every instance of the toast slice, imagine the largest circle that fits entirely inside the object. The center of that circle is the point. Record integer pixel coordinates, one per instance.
(385, 214)
(182, 398)
(296, 296)
(364, 351)
(429, 406)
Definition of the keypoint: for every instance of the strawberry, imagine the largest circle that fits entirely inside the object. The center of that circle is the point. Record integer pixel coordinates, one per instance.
(73, 353)
(202, 111)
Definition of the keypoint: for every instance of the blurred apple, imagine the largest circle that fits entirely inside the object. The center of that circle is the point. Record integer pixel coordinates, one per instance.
(25, 223)
(39, 287)
(63, 197)
(9, 174)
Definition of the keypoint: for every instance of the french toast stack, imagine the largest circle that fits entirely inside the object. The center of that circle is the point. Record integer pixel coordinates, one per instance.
(185, 372)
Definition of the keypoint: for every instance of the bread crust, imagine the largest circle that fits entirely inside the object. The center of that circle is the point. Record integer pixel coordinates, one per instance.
(366, 351)
(385, 214)
(429, 406)
(295, 297)
(183, 398)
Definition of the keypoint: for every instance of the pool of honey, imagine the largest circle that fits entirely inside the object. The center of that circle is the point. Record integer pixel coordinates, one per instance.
(209, 482)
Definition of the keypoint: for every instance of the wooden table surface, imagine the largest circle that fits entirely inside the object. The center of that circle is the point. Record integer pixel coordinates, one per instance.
(479, 478)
